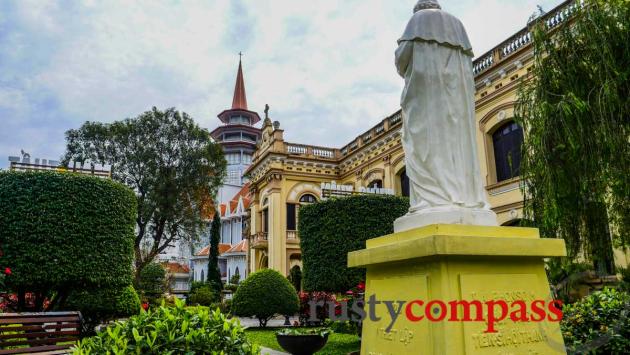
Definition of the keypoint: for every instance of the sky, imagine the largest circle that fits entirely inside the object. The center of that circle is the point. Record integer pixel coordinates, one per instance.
(326, 68)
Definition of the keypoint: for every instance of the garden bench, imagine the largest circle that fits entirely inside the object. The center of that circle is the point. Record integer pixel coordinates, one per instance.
(39, 333)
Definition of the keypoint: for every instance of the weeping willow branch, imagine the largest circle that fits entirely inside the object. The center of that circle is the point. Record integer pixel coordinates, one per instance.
(575, 110)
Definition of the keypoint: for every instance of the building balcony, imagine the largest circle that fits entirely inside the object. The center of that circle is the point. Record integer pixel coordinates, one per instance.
(237, 139)
(293, 237)
(259, 241)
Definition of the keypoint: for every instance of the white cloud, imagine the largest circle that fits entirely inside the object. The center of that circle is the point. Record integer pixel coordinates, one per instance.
(325, 67)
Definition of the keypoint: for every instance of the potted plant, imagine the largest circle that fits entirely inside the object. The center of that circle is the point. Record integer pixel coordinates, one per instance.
(302, 341)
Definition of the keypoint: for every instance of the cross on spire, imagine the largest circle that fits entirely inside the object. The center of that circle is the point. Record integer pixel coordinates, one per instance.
(240, 100)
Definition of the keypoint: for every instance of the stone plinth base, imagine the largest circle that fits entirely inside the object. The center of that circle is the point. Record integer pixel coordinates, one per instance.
(445, 215)
(454, 263)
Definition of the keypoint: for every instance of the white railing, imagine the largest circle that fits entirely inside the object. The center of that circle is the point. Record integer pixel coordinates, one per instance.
(296, 149)
(515, 43)
(395, 119)
(292, 236)
(325, 153)
(524, 37)
(483, 64)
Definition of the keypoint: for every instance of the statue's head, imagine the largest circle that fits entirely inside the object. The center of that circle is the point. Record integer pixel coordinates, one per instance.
(426, 4)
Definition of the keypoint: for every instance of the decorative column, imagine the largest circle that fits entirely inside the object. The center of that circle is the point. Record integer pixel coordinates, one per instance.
(276, 237)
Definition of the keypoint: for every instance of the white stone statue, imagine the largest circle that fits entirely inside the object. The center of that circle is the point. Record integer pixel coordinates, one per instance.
(438, 109)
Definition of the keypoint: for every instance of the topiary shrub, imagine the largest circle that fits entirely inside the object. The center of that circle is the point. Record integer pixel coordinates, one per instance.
(151, 282)
(332, 228)
(171, 330)
(99, 305)
(202, 296)
(598, 323)
(264, 294)
(63, 232)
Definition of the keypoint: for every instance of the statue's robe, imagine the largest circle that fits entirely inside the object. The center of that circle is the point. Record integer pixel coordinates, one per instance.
(435, 58)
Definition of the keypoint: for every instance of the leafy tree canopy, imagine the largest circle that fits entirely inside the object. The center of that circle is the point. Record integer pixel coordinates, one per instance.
(172, 164)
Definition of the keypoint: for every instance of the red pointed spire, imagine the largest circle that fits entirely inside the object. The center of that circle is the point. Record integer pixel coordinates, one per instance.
(240, 100)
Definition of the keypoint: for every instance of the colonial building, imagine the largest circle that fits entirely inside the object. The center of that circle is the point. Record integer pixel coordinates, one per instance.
(238, 137)
(178, 276)
(286, 175)
(233, 223)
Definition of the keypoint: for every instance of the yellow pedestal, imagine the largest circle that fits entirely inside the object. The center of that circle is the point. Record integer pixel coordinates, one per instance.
(454, 263)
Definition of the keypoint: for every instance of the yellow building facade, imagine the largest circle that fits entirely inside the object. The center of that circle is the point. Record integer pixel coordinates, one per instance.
(286, 175)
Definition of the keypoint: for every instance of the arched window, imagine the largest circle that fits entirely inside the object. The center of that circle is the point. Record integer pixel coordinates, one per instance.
(507, 141)
(404, 183)
(202, 276)
(376, 184)
(308, 198)
(293, 210)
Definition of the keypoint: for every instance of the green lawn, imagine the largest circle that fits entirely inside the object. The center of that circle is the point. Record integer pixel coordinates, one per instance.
(338, 344)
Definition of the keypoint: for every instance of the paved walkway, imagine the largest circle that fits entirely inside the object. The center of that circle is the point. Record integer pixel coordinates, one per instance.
(267, 351)
(247, 322)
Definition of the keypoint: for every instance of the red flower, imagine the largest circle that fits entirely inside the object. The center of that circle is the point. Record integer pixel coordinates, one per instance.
(338, 309)
(361, 286)
(7, 271)
(349, 293)
(145, 306)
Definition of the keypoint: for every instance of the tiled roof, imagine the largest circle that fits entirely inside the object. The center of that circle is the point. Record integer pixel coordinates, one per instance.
(206, 250)
(241, 247)
(242, 193)
(176, 268)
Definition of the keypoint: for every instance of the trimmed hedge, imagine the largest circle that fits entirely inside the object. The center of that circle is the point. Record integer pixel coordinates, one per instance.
(63, 231)
(264, 294)
(332, 228)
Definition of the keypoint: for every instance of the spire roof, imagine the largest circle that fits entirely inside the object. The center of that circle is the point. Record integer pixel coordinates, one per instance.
(240, 99)
(239, 102)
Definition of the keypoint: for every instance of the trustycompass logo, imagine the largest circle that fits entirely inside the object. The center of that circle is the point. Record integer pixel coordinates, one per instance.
(490, 311)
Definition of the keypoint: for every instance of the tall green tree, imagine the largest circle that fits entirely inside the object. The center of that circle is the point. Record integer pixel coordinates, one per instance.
(214, 274)
(173, 166)
(575, 111)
